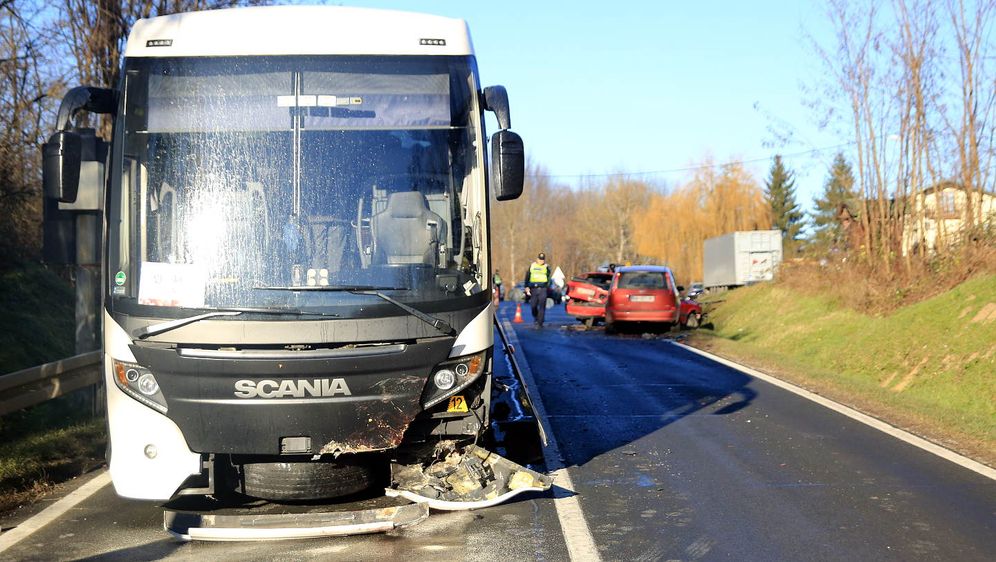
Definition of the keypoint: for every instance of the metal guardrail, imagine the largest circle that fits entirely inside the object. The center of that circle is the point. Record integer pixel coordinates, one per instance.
(28, 387)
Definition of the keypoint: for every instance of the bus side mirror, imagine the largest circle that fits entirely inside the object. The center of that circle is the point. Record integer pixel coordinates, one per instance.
(508, 165)
(62, 156)
(508, 160)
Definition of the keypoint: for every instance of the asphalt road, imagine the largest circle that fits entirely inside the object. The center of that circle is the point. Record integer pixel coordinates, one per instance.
(671, 456)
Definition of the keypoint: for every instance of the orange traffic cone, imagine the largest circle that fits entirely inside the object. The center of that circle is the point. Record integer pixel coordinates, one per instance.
(518, 313)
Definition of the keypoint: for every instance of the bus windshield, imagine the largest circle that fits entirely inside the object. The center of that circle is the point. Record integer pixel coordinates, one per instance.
(243, 178)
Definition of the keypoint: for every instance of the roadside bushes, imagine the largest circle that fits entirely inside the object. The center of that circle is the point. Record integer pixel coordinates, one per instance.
(871, 288)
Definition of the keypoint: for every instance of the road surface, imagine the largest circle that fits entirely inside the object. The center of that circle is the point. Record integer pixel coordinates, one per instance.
(670, 456)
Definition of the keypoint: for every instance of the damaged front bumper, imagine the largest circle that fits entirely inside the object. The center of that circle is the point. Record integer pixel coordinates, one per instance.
(256, 524)
(456, 478)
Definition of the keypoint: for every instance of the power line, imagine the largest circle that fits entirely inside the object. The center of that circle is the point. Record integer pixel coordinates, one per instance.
(700, 167)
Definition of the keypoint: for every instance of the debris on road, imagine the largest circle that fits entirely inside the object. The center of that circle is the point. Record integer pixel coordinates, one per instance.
(469, 479)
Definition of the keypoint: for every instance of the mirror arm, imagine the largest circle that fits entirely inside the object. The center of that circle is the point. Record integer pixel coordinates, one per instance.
(496, 100)
(85, 98)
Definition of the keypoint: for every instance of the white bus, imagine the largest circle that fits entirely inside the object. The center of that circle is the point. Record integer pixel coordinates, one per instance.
(296, 248)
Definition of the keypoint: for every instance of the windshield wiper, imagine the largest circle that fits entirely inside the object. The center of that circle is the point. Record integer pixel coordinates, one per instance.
(436, 323)
(162, 327)
(374, 290)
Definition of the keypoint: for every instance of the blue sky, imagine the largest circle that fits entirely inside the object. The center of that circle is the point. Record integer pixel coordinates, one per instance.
(599, 87)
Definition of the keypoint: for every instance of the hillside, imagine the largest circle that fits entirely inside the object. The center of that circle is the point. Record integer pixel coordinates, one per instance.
(36, 318)
(58, 439)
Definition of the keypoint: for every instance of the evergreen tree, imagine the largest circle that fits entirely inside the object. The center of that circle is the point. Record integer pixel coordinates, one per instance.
(785, 213)
(838, 189)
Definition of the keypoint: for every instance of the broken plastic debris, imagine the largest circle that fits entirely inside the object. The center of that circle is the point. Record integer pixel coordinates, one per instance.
(247, 524)
(472, 479)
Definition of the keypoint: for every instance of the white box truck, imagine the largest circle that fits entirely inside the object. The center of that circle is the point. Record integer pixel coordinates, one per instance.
(741, 258)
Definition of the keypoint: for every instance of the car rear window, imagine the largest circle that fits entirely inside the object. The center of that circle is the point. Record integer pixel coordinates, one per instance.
(643, 280)
(602, 281)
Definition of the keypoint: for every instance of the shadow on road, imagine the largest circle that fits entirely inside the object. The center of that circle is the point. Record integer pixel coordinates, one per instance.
(152, 551)
(605, 392)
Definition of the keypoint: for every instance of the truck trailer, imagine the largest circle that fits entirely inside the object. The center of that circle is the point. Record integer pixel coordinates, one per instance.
(741, 258)
(295, 261)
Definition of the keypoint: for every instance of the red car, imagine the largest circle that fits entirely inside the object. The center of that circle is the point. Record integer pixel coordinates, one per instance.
(587, 295)
(691, 313)
(644, 293)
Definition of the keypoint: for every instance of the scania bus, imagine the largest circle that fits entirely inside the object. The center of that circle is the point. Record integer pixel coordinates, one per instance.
(296, 247)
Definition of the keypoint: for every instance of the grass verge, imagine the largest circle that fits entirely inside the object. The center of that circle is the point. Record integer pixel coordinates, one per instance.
(928, 367)
(58, 439)
(45, 445)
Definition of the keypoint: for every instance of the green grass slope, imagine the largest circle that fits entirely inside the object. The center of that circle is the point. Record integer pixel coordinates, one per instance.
(57, 439)
(934, 361)
(37, 318)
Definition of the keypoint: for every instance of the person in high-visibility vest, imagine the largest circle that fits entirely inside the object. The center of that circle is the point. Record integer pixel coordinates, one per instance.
(537, 282)
(496, 279)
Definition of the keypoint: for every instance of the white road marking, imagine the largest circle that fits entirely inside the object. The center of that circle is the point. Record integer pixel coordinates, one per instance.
(54, 511)
(577, 535)
(878, 424)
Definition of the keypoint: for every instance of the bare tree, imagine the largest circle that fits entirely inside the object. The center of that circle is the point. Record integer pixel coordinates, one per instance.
(541, 220)
(96, 31)
(915, 95)
(26, 95)
(34, 40)
(974, 131)
(671, 229)
(921, 119)
(607, 216)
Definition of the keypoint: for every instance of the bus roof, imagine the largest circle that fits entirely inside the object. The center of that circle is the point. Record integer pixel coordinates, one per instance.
(298, 30)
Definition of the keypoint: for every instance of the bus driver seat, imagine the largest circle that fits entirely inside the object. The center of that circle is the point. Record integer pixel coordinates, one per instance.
(407, 232)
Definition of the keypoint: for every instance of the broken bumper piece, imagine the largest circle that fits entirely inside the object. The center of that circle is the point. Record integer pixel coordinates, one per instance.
(453, 479)
(472, 479)
(243, 527)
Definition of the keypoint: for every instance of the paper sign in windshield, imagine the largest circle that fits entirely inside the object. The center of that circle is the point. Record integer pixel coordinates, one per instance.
(172, 284)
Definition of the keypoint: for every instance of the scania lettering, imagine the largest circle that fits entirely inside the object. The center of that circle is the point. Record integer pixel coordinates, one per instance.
(295, 389)
(296, 255)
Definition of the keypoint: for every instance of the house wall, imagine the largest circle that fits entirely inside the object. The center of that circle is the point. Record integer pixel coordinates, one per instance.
(938, 217)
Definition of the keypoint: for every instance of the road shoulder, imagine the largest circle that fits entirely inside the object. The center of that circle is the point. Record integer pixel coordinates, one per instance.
(20, 523)
(577, 535)
(779, 369)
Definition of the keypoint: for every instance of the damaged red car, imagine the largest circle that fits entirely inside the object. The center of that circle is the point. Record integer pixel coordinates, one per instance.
(645, 294)
(587, 295)
(691, 313)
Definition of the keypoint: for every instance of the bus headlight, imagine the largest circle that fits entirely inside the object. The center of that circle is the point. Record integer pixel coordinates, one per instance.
(452, 376)
(148, 385)
(139, 383)
(444, 379)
